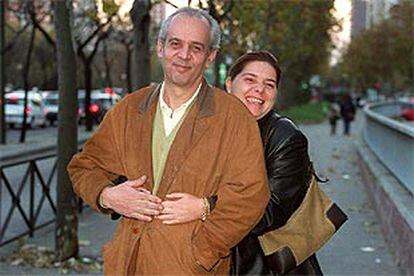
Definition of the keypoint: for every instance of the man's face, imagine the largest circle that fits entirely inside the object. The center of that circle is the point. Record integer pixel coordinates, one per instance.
(255, 86)
(185, 54)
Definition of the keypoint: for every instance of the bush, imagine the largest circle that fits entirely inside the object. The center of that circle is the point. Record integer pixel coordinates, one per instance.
(307, 113)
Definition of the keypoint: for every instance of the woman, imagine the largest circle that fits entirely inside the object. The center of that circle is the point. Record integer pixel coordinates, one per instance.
(254, 79)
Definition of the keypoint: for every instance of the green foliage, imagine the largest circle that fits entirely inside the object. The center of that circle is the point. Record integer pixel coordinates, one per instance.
(384, 53)
(42, 70)
(296, 31)
(110, 7)
(307, 113)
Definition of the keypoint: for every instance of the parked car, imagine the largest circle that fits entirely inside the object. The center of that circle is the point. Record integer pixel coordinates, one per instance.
(51, 100)
(100, 103)
(15, 105)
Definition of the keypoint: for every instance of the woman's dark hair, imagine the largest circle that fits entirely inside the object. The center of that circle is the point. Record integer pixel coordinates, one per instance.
(264, 56)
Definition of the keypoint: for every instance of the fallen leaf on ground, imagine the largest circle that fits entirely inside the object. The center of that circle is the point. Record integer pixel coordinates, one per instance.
(84, 243)
(336, 156)
(331, 170)
(353, 209)
(367, 249)
(43, 257)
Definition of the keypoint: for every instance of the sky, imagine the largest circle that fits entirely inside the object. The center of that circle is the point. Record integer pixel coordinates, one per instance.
(342, 38)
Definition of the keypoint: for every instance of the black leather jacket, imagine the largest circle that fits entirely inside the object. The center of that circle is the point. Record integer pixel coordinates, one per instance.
(288, 170)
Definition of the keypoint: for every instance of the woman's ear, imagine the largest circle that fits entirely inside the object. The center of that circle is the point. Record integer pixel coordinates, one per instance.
(228, 84)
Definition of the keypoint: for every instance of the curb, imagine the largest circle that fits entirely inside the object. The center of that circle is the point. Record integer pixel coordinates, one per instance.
(393, 204)
(21, 152)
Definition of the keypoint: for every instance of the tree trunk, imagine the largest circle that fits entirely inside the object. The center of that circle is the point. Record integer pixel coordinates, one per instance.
(26, 71)
(87, 73)
(217, 62)
(108, 79)
(2, 77)
(141, 19)
(128, 67)
(66, 235)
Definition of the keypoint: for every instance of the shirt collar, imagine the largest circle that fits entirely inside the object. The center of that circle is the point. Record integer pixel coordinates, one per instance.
(164, 105)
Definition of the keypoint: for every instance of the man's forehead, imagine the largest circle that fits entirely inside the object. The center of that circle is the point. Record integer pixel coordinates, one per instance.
(181, 29)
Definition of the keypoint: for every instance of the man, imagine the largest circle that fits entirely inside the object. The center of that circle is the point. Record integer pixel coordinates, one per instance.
(180, 136)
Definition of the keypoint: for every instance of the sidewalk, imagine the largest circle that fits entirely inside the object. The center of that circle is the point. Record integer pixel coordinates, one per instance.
(357, 249)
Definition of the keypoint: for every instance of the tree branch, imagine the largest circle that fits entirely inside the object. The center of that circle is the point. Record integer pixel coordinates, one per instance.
(169, 3)
(227, 9)
(95, 48)
(14, 39)
(37, 25)
(100, 27)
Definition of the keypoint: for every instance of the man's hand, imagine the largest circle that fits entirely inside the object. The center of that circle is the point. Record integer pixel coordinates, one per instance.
(181, 208)
(130, 199)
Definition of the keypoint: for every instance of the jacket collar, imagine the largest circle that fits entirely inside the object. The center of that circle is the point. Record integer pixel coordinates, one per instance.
(204, 100)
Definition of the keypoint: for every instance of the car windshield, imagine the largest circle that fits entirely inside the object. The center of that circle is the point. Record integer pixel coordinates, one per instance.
(51, 101)
(15, 101)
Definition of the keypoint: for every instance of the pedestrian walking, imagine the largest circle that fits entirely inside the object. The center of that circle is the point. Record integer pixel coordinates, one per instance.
(333, 116)
(348, 111)
(179, 136)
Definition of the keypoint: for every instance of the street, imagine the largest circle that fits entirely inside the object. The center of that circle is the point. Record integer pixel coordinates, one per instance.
(13, 135)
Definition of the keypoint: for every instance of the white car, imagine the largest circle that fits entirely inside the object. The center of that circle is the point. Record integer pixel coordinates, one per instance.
(51, 101)
(14, 109)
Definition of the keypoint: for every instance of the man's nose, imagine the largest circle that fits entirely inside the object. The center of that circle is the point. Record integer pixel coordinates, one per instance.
(184, 52)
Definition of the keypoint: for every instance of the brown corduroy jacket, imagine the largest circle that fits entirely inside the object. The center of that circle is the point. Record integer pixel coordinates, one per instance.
(217, 151)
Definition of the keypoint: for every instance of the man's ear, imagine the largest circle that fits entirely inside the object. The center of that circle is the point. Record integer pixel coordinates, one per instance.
(228, 84)
(211, 56)
(160, 49)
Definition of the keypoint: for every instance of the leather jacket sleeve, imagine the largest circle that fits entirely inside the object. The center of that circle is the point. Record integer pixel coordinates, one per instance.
(287, 164)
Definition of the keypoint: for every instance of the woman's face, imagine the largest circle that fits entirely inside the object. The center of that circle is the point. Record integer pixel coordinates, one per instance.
(255, 86)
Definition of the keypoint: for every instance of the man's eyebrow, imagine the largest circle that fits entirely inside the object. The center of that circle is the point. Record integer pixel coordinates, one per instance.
(173, 39)
(197, 43)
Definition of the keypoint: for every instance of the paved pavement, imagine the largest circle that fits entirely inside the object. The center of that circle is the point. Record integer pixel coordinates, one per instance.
(357, 249)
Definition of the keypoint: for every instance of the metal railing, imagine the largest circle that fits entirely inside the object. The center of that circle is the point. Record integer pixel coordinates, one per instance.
(30, 202)
(392, 141)
(26, 206)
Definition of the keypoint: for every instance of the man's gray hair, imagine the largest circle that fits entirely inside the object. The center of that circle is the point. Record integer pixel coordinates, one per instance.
(215, 32)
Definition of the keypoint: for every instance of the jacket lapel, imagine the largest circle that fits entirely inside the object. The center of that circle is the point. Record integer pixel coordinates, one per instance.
(143, 134)
(191, 131)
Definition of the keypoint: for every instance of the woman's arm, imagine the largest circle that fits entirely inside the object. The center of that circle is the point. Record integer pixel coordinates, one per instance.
(287, 163)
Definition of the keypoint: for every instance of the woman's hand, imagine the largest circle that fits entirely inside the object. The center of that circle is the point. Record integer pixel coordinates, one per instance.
(181, 208)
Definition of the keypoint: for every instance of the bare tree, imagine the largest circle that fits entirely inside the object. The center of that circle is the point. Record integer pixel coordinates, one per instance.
(141, 19)
(90, 33)
(66, 236)
(26, 71)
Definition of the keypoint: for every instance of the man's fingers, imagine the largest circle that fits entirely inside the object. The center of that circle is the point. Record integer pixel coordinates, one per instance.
(167, 204)
(144, 204)
(151, 198)
(170, 222)
(140, 189)
(138, 182)
(175, 195)
(165, 217)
